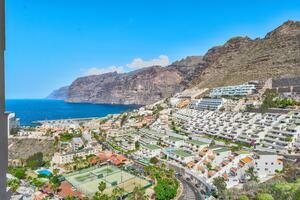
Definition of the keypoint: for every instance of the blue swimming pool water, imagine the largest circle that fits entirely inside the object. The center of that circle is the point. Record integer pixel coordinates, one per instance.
(44, 172)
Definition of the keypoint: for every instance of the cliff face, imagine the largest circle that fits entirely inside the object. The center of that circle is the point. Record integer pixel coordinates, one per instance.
(144, 86)
(239, 60)
(59, 94)
(242, 59)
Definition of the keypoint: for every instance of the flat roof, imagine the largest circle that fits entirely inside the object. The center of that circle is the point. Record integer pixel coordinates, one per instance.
(197, 142)
(182, 153)
(174, 138)
(151, 146)
(220, 150)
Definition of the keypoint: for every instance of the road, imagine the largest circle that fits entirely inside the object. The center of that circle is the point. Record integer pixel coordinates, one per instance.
(189, 191)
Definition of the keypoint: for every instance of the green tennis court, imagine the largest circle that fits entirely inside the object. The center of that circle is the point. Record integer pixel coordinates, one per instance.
(86, 181)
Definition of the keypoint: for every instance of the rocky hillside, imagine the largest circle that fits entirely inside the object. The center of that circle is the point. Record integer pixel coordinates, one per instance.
(59, 94)
(239, 60)
(143, 86)
(242, 59)
(23, 148)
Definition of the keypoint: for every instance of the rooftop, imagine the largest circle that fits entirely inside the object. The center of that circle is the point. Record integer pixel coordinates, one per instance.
(182, 153)
(151, 146)
(175, 139)
(220, 150)
(197, 142)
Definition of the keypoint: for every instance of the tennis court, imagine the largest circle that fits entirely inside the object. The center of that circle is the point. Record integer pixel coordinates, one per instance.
(86, 181)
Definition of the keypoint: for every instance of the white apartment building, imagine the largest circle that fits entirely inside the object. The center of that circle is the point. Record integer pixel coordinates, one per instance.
(13, 122)
(180, 156)
(150, 150)
(77, 143)
(64, 158)
(174, 141)
(196, 145)
(284, 134)
(267, 164)
(207, 103)
(236, 90)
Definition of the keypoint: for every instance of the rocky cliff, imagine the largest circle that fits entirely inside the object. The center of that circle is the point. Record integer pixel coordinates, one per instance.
(242, 59)
(59, 94)
(239, 60)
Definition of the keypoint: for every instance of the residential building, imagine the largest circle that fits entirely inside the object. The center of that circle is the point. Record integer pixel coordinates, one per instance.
(64, 158)
(236, 90)
(207, 103)
(267, 164)
(77, 143)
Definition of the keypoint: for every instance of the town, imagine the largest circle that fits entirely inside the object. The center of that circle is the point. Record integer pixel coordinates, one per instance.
(199, 144)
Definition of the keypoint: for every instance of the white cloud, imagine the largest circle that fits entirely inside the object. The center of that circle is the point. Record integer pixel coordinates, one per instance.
(138, 63)
(97, 71)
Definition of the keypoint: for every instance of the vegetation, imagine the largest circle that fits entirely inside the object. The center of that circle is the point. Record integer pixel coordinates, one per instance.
(101, 186)
(252, 174)
(243, 197)
(66, 137)
(167, 185)
(54, 183)
(35, 161)
(154, 160)
(272, 100)
(13, 184)
(166, 188)
(277, 188)
(220, 184)
(18, 172)
(138, 193)
(137, 145)
(264, 196)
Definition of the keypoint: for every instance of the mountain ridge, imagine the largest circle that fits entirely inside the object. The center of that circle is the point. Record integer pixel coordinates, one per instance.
(238, 60)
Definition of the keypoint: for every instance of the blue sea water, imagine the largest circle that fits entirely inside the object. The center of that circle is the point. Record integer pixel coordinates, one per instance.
(29, 110)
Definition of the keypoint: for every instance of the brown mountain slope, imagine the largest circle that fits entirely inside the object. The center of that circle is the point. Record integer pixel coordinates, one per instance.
(239, 60)
(242, 59)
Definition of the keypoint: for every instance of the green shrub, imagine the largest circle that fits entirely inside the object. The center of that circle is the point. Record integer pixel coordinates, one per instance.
(264, 196)
(243, 197)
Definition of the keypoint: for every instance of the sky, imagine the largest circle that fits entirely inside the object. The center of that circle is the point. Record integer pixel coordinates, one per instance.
(49, 43)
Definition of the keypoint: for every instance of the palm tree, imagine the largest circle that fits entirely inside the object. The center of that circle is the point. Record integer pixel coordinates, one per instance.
(102, 186)
(55, 171)
(118, 192)
(252, 173)
(138, 193)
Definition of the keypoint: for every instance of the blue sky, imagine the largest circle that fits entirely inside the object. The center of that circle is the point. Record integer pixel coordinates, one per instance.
(51, 42)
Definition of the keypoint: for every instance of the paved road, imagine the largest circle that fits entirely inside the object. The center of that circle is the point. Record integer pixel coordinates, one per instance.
(189, 191)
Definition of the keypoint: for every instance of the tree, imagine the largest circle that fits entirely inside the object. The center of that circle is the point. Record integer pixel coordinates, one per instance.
(13, 184)
(35, 161)
(138, 193)
(154, 160)
(243, 197)
(54, 183)
(209, 166)
(55, 171)
(166, 188)
(118, 192)
(100, 196)
(18, 172)
(264, 196)
(37, 183)
(101, 186)
(251, 172)
(220, 184)
(137, 145)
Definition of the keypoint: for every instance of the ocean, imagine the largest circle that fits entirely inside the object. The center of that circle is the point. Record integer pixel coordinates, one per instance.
(29, 110)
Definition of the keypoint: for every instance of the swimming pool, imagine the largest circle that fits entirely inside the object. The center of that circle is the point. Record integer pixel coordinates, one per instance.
(46, 172)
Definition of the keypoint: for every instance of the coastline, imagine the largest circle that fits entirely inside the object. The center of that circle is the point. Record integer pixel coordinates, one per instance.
(31, 111)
